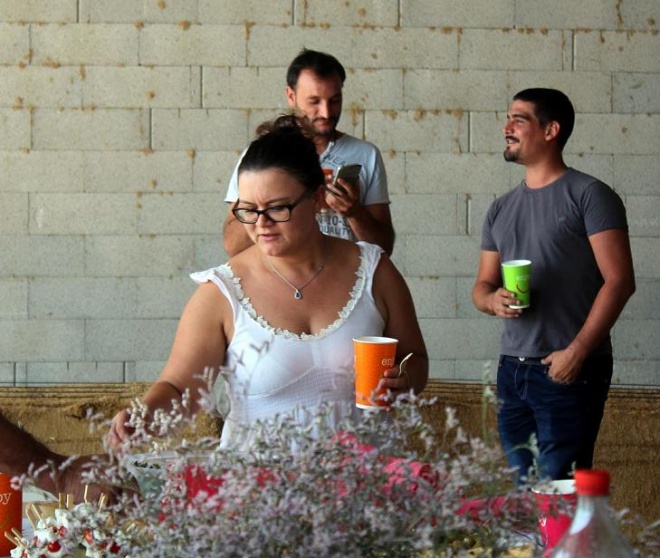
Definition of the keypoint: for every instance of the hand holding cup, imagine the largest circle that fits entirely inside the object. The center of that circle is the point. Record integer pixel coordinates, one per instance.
(516, 275)
(375, 359)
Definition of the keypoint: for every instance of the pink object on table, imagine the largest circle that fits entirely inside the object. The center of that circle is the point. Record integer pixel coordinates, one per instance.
(556, 506)
(398, 470)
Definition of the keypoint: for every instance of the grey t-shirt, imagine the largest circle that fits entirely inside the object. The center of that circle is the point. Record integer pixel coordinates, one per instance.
(373, 180)
(551, 227)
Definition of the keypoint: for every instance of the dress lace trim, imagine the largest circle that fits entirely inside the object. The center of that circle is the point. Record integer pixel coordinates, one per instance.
(234, 283)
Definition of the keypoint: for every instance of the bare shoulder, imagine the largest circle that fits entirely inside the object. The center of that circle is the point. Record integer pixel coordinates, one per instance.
(387, 277)
(344, 250)
(207, 301)
(343, 258)
(207, 313)
(387, 266)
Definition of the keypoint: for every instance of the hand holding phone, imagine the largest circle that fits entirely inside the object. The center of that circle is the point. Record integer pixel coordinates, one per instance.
(349, 173)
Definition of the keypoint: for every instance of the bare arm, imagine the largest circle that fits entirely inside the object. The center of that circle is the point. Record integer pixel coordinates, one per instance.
(373, 223)
(397, 307)
(19, 449)
(59, 474)
(613, 256)
(488, 295)
(199, 344)
(236, 238)
(370, 223)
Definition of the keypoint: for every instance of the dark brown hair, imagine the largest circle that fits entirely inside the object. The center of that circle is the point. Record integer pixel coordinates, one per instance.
(551, 105)
(285, 143)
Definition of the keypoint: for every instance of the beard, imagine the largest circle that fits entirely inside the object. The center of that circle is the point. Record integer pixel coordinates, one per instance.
(510, 155)
(327, 131)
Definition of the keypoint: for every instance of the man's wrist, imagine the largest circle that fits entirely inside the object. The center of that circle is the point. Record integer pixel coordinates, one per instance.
(578, 349)
(355, 212)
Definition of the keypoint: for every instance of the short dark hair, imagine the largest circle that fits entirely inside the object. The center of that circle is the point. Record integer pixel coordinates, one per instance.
(285, 143)
(551, 105)
(322, 64)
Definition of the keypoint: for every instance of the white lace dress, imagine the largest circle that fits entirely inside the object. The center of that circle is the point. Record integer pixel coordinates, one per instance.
(270, 372)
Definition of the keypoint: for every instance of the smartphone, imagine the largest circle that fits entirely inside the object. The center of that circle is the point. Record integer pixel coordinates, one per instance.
(349, 173)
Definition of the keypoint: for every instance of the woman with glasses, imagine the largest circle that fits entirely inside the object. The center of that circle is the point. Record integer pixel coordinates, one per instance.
(277, 321)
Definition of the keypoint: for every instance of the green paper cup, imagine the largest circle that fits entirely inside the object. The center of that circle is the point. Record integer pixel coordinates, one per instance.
(517, 276)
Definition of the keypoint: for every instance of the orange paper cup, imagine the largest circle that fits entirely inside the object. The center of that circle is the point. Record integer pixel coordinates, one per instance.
(556, 504)
(11, 513)
(373, 355)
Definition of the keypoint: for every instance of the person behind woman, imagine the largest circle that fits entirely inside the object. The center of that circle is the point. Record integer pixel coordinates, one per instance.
(279, 318)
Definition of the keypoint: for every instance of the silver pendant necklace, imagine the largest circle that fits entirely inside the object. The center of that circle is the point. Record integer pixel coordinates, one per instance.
(297, 291)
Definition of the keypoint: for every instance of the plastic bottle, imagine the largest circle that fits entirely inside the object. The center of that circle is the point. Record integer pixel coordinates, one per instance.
(593, 532)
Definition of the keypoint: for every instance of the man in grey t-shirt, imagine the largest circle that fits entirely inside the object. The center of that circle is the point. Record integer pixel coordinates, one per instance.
(353, 211)
(555, 365)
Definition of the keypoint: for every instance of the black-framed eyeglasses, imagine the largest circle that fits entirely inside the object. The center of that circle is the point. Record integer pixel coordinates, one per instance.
(275, 213)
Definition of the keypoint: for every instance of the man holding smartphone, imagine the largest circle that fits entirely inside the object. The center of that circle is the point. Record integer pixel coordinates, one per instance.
(356, 210)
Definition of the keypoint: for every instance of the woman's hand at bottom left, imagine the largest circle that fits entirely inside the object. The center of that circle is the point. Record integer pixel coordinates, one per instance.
(119, 432)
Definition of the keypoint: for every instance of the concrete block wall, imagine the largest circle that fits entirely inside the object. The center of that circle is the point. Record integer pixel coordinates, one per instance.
(121, 120)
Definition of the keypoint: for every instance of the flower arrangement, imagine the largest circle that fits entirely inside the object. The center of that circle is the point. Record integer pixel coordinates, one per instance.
(389, 487)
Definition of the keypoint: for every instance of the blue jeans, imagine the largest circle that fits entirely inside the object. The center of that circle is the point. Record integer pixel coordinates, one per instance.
(564, 417)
